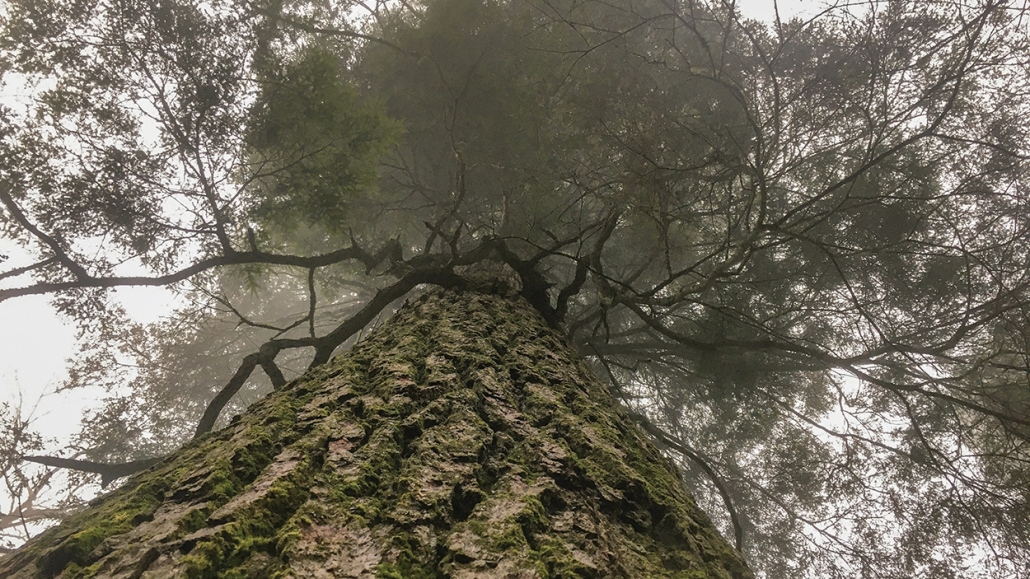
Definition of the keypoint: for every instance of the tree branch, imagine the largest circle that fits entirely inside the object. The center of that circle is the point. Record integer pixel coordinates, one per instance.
(77, 270)
(107, 471)
(20, 270)
(238, 258)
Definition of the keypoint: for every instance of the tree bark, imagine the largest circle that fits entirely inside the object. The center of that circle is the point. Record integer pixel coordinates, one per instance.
(462, 439)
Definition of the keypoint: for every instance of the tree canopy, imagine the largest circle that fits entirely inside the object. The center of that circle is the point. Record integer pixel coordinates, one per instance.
(797, 251)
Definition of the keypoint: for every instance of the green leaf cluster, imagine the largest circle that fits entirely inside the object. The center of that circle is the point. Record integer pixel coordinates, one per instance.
(313, 145)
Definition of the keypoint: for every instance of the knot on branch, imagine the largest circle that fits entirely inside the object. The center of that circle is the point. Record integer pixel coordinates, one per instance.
(489, 276)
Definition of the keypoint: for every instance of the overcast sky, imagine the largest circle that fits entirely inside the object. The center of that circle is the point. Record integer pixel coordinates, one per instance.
(766, 9)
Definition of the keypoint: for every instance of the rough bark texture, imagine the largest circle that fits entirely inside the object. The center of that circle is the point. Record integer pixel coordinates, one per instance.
(463, 439)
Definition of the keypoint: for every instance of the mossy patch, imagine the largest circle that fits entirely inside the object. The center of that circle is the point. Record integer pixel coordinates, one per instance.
(464, 435)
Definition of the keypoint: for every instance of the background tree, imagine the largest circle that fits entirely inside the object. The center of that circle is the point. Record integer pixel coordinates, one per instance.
(30, 502)
(796, 251)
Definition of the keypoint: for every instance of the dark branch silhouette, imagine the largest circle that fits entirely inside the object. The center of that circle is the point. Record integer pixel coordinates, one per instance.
(108, 471)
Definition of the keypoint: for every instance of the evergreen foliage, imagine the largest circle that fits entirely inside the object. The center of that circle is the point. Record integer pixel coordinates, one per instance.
(797, 251)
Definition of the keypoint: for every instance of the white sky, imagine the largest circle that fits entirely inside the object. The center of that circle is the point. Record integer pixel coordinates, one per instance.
(766, 9)
(35, 342)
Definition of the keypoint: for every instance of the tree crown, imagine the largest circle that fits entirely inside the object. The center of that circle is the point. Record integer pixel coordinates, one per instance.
(797, 250)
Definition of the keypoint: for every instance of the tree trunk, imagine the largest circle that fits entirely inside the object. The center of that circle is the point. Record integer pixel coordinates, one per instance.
(462, 439)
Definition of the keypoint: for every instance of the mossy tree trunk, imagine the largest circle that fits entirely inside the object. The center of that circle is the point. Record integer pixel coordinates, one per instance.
(462, 439)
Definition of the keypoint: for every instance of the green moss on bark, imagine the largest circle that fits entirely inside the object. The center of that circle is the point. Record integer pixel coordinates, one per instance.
(462, 439)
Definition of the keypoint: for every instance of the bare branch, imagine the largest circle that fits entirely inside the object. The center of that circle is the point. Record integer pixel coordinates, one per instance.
(107, 471)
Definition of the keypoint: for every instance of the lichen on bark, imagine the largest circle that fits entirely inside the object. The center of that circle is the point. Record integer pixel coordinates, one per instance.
(462, 439)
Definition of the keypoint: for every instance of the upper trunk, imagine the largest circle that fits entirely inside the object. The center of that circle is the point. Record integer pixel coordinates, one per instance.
(462, 439)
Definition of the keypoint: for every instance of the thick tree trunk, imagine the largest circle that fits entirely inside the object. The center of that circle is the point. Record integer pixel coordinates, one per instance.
(463, 439)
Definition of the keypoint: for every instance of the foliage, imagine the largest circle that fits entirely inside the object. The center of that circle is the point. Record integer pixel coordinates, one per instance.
(314, 143)
(797, 250)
